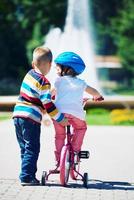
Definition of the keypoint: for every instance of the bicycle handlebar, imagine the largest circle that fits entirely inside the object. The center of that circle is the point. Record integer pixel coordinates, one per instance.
(101, 98)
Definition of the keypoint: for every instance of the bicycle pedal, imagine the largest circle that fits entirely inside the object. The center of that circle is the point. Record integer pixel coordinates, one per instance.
(55, 171)
(84, 154)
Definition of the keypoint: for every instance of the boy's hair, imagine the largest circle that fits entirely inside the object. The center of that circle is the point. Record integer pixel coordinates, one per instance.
(42, 54)
(67, 71)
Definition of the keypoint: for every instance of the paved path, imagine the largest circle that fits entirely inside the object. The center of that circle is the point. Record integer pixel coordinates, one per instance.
(110, 167)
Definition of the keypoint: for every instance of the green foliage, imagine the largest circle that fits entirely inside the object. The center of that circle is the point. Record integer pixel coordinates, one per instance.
(98, 120)
(123, 91)
(12, 44)
(97, 111)
(5, 115)
(115, 34)
(23, 25)
(98, 116)
(122, 116)
(123, 33)
(101, 116)
(103, 11)
(9, 86)
(36, 40)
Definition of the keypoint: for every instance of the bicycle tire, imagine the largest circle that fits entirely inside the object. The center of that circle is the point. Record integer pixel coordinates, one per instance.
(64, 165)
(43, 178)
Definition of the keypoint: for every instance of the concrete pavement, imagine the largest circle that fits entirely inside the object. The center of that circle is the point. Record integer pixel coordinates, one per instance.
(110, 167)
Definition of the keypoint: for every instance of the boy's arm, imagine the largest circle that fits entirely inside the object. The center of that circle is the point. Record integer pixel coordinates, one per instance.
(96, 95)
(53, 93)
(51, 109)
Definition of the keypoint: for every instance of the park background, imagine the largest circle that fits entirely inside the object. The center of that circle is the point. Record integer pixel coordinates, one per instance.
(25, 25)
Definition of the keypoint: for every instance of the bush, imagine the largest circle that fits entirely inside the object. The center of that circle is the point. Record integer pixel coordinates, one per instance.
(122, 116)
(97, 111)
(9, 87)
(102, 116)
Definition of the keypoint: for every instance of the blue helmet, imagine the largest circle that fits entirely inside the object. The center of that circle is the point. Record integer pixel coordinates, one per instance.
(72, 60)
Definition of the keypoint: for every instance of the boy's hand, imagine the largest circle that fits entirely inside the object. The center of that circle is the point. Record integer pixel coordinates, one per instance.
(64, 122)
(98, 98)
(53, 93)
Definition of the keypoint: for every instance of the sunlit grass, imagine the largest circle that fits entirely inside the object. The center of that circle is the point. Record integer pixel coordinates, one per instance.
(5, 115)
(96, 116)
(99, 116)
(96, 119)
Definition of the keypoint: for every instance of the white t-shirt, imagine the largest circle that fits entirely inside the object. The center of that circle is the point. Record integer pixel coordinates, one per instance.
(69, 97)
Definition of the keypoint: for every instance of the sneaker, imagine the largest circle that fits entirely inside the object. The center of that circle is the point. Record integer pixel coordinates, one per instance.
(31, 183)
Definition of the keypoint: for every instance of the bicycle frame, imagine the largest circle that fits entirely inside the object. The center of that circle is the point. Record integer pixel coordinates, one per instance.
(69, 136)
(68, 156)
(67, 165)
(74, 173)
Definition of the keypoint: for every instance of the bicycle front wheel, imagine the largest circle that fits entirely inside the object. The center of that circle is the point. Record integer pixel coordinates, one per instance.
(64, 165)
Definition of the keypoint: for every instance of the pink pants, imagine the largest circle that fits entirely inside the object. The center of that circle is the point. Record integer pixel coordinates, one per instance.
(79, 129)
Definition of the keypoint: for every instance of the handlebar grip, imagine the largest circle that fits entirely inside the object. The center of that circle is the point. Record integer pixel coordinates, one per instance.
(101, 98)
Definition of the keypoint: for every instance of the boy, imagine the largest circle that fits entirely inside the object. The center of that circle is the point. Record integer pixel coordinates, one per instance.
(35, 97)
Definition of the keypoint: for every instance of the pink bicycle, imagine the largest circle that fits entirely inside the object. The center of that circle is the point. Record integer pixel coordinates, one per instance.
(69, 164)
(69, 161)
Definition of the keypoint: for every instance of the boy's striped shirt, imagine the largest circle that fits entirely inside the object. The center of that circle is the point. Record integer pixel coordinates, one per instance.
(34, 97)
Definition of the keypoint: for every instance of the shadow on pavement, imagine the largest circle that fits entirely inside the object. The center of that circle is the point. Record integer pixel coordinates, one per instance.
(110, 185)
(97, 184)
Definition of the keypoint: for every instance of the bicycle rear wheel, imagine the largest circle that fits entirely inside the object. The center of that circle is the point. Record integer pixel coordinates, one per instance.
(43, 178)
(64, 165)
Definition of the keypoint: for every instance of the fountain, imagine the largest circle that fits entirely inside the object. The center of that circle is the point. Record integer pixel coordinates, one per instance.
(76, 37)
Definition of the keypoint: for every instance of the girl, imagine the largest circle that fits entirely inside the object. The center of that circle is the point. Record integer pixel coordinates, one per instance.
(69, 100)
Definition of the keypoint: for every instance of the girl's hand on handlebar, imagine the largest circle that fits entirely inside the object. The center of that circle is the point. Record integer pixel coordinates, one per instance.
(98, 98)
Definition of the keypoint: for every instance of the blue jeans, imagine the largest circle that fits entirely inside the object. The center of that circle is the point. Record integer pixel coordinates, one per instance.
(28, 136)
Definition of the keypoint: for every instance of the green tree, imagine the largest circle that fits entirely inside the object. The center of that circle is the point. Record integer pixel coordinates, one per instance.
(23, 25)
(123, 33)
(13, 55)
(103, 11)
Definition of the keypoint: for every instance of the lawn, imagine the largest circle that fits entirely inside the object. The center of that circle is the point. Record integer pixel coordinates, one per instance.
(101, 116)
(5, 115)
(101, 119)
(98, 116)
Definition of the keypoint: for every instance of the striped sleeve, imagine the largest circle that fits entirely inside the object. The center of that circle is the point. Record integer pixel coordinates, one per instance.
(45, 98)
